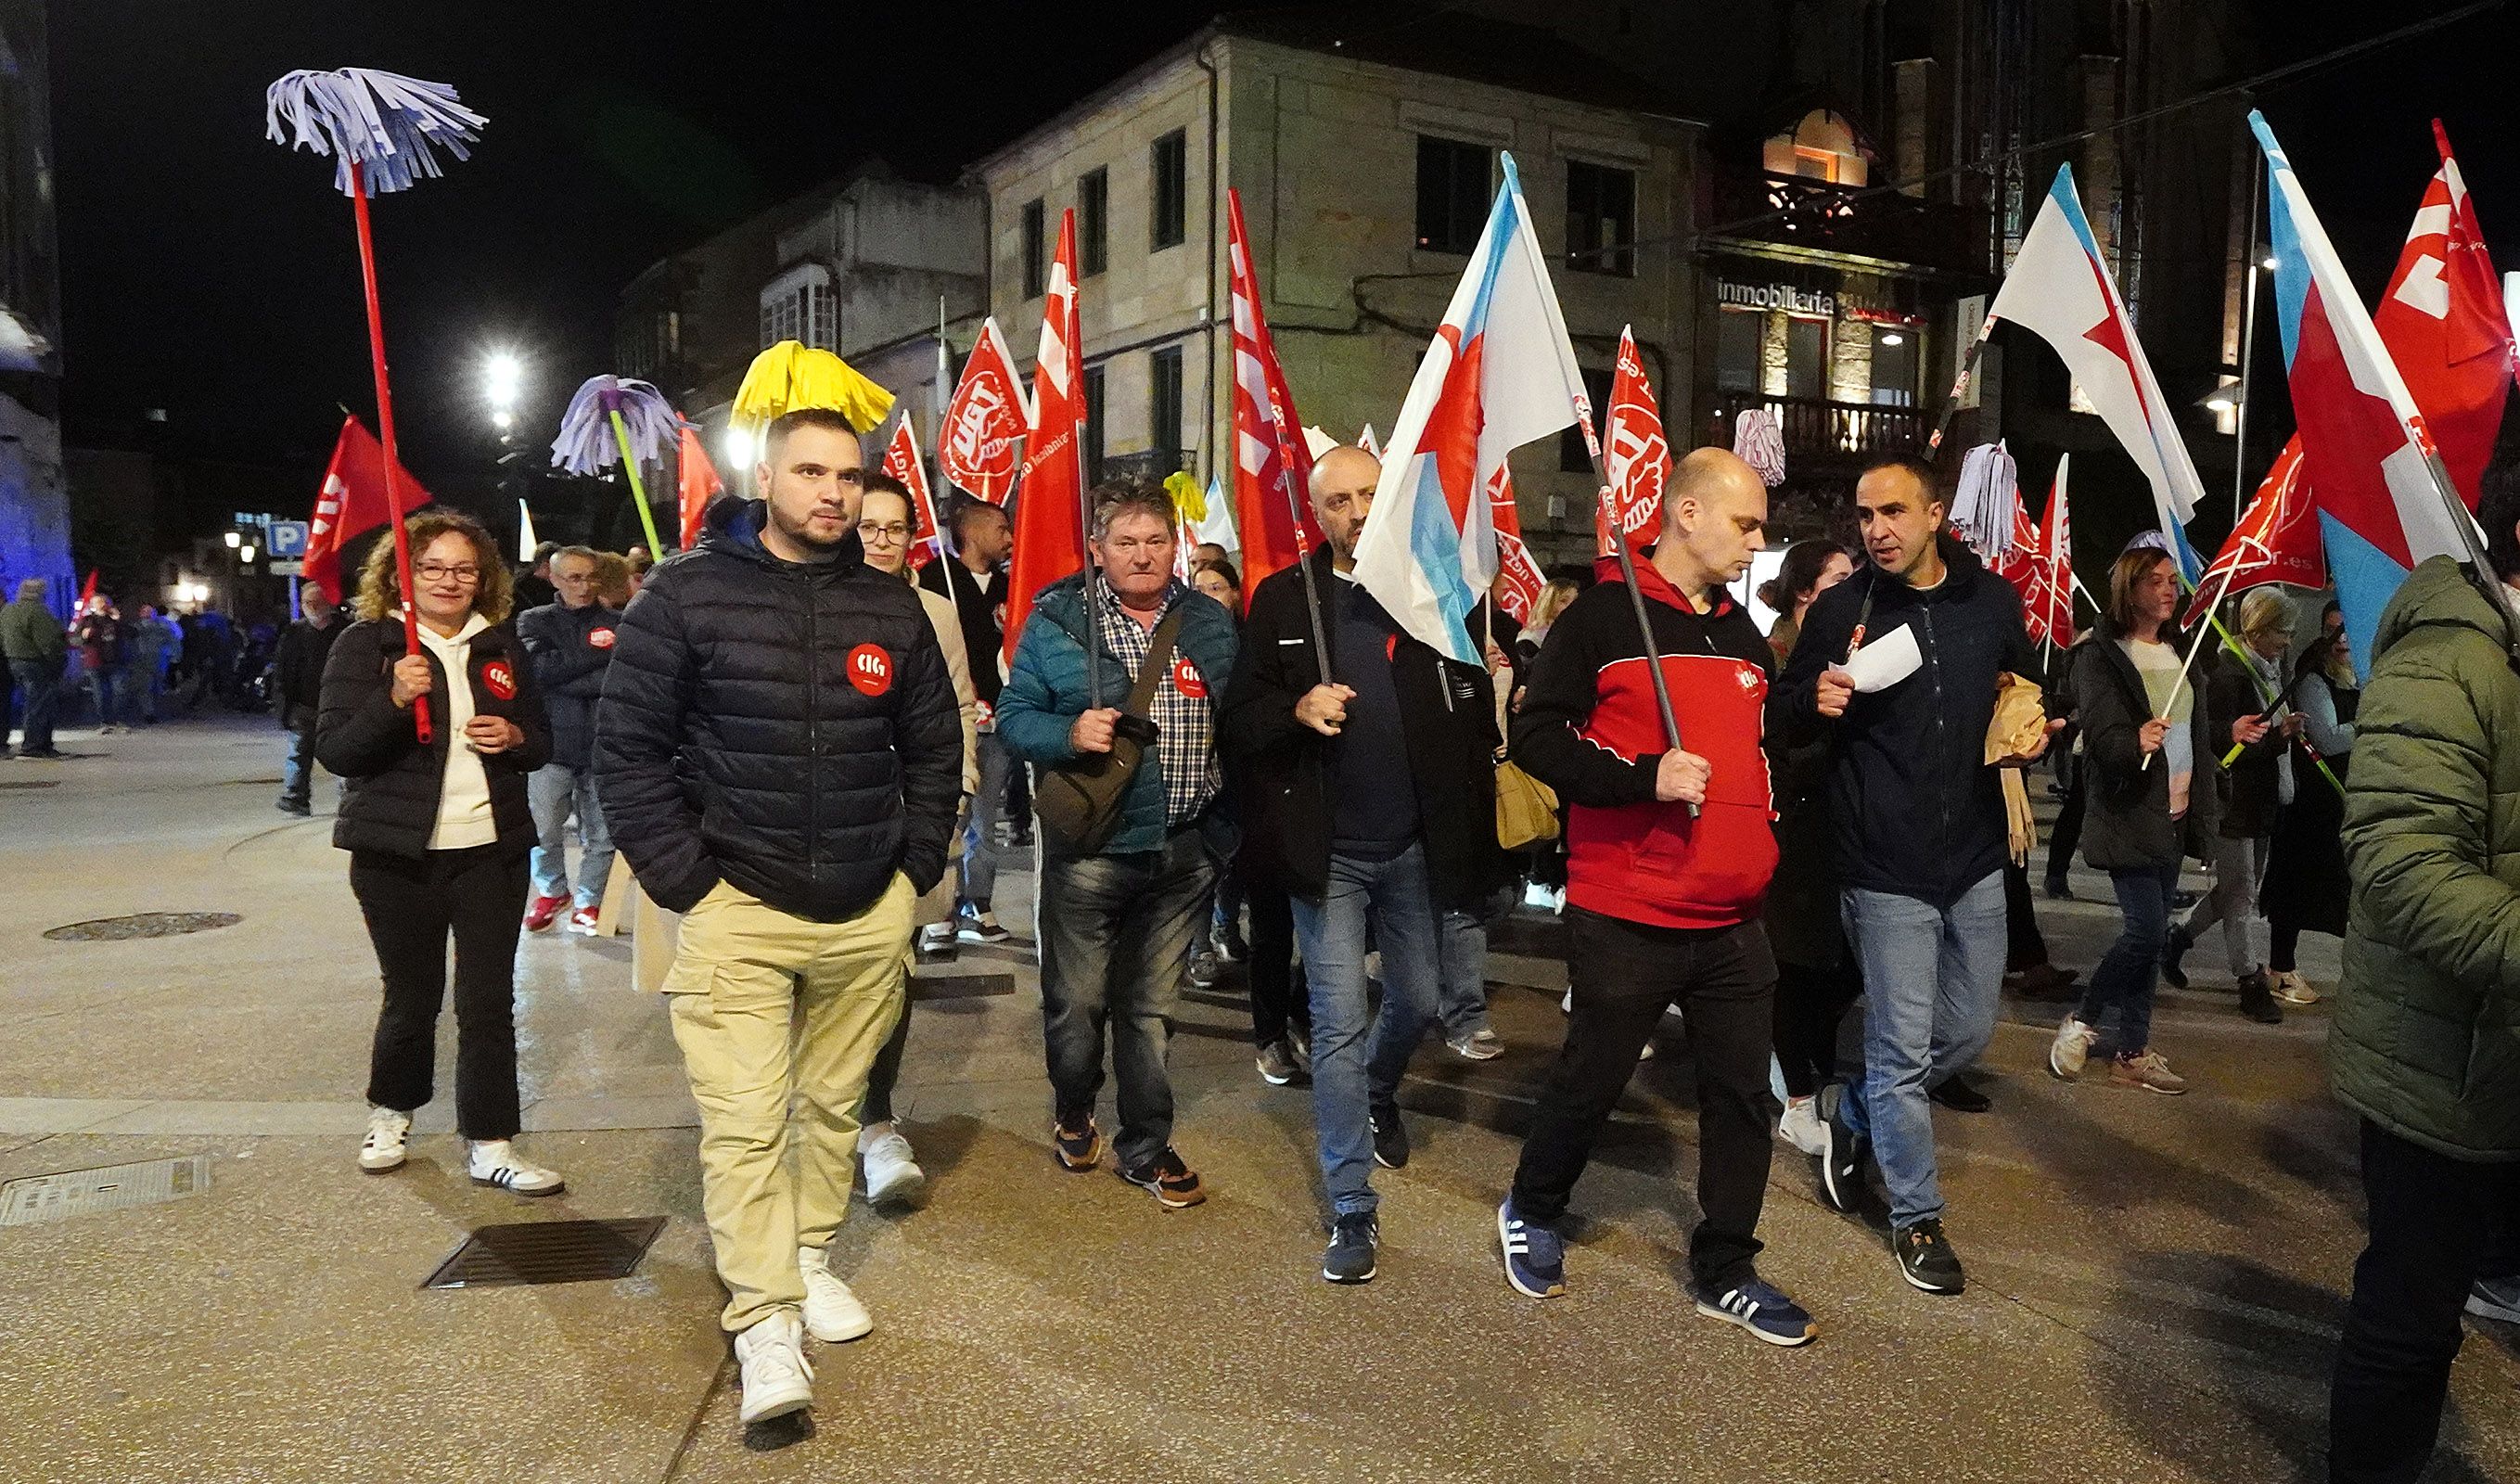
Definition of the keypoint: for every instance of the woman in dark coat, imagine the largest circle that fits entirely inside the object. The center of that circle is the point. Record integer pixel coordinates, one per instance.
(2152, 803)
(1817, 975)
(2304, 888)
(438, 832)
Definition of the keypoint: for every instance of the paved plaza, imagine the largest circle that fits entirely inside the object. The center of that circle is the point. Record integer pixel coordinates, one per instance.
(2155, 1283)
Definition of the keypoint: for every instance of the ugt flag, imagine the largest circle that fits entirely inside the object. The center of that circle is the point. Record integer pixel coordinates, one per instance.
(1049, 513)
(2059, 288)
(2276, 541)
(901, 460)
(2384, 500)
(352, 500)
(987, 415)
(1273, 461)
(1498, 375)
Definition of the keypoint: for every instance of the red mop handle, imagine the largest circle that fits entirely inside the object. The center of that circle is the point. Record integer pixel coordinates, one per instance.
(385, 435)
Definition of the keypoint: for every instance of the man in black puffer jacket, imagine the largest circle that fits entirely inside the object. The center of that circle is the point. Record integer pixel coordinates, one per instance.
(571, 640)
(780, 755)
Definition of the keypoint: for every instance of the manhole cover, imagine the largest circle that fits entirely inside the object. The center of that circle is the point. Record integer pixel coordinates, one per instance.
(39, 1198)
(142, 924)
(24, 785)
(547, 1252)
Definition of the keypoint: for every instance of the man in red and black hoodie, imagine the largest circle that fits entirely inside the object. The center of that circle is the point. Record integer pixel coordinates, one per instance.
(1663, 906)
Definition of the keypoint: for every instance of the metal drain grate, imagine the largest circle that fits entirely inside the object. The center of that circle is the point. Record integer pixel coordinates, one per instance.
(39, 1198)
(926, 987)
(143, 924)
(547, 1252)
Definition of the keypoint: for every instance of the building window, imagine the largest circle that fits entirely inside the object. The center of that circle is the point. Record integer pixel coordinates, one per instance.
(1455, 181)
(1093, 430)
(1164, 407)
(823, 316)
(1894, 366)
(1035, 268)
(1737, 333)
(1169, 166)
(1806, 357)
(1600, 219)
(783, 318)
(1092, 223)
(1573, 458)
(1821, 146)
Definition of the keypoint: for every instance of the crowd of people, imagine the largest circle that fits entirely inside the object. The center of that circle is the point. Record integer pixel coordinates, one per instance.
(806, 748)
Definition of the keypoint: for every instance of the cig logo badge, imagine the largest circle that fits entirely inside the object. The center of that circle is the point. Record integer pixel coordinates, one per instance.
(870, 669)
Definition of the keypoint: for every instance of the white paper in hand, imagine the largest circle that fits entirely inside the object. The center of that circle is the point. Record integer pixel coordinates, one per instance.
(1885, 661)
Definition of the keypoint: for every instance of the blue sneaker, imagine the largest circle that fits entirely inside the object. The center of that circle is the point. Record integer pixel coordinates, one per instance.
(1535, 1260)
(1758, 1307)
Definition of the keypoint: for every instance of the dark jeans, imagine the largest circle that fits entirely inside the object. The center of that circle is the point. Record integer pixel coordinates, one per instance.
(2068, 832)
(39, 691)
(884, 1074)
(1811, 1004)
(1281, 996)
(411, 907)
(2131, 969)
(2023, 946)
(1624, 973)
(2435, 1222)
(1115, 932)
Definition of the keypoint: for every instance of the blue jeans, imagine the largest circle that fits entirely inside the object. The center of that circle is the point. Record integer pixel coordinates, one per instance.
(39, 690)
(1393, 902)
(1115, 934)
(555, 793)
(976, 869)
(1932, 976)
(1462, 999)
(2129, 969)
(297, 769)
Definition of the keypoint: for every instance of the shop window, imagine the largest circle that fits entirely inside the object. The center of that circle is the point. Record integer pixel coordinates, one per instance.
(1894, 366)
(1806, 357)
(1737, 333)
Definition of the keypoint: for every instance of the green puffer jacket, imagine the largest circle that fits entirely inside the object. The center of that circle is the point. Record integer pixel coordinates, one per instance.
(2427, 1036)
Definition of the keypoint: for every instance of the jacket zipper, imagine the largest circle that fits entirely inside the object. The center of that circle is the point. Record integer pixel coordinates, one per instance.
(813, 730)
(1941, 726)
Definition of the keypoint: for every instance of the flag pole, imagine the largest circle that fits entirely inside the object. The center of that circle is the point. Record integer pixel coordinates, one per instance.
(386, 434)
(1303, 557)
(1625, 549)
(1959, 385)
(2188, 663)
(2248, 355)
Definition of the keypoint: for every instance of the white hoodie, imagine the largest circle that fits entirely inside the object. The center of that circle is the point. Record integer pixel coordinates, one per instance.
(464, 817)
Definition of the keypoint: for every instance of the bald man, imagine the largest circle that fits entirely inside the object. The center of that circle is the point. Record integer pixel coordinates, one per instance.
(1371, 799)
(1662, 908)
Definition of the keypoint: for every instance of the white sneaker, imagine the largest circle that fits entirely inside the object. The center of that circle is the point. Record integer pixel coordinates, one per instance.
(891, 1173)
(382, 1148)
(2071, 1048)
(2292, 989)
(1800, 1126)
(495, 1162)
(776, 1378)
(832, 1314)
(1481, 1045)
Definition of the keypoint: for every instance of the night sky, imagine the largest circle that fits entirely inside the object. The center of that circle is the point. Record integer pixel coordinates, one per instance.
(215, 275)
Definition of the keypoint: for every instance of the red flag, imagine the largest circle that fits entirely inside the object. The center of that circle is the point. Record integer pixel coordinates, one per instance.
(2276, 541)
(1518, 578)
(700, 483)
(2443, 320)
(2022, 560)
(986, 417)
(1049, 523)
(352, 500)
(1635, 455)
(1273, 465)
(901, 461)
(2053, 606)
(87, 591)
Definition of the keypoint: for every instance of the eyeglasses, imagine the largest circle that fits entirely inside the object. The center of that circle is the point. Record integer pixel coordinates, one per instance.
(891, 531)
(439, 572)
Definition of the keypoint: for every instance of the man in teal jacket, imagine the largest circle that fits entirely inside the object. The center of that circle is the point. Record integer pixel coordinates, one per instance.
(2426, 1044)
(1115, 922)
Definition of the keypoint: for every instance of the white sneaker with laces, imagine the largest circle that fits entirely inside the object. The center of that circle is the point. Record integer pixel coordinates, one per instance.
(1800, 1126)
(776, 1378)
(2071, 1048)
(382, 1149)
(832, 1314)
(1481, 1045)
(893, 1173)
(495, 1162)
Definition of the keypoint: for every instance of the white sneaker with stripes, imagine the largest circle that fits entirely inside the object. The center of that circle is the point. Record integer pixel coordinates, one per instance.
(495, 1162)
(384, 1148)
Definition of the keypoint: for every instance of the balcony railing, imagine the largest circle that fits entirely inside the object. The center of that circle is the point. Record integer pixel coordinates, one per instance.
(1813, 427)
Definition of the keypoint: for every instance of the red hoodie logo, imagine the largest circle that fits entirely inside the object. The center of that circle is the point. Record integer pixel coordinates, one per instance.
(499, 680)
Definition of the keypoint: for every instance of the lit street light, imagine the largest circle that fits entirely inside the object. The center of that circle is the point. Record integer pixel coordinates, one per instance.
(234, 540)
(503, 379)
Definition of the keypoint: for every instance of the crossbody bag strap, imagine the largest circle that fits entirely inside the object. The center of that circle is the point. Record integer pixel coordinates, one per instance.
(1159, 657)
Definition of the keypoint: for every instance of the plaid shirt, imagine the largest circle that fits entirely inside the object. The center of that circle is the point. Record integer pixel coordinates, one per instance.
(1185, 725)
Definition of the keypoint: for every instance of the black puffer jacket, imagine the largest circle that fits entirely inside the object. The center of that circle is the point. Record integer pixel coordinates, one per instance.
(2127, 824)
(788, 728)
(363, 736)
(571, 649)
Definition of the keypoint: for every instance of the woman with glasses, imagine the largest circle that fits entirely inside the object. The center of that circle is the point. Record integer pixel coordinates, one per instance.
(438, 832)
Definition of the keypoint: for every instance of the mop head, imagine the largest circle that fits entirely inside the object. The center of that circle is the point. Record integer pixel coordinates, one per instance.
(1988, 506)
(586, 444)
(1759, 444)
(788, 377)
(387, 124)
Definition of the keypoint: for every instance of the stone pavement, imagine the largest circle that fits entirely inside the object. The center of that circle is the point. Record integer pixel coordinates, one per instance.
(2154, 1289)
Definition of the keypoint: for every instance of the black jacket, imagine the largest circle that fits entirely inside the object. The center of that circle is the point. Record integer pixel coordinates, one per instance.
(1918, 813)
(979, 605)
(787, 728)
(2126, 823)
(1281, 767)
(2250, 790)
(362, 736)
(299, 671)
(570, 649)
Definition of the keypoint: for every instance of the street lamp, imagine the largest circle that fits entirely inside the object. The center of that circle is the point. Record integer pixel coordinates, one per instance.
(503, 379)
(234, 540)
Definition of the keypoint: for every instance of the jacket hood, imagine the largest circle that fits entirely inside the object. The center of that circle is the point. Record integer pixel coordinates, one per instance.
(2438, 593)
(733, 527)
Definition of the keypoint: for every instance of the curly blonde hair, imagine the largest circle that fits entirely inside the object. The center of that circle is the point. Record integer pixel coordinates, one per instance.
(378, 590)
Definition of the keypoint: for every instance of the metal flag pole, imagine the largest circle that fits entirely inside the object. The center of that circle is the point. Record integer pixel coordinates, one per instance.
(2248, 354)
(1625, 549)
(1303, 557)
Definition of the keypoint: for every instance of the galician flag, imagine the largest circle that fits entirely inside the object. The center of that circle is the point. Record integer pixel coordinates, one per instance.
(1498, 375)
(2384, 500)
(2059, 288)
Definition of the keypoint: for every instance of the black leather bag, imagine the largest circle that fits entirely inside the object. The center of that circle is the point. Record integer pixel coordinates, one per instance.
(1079, 802)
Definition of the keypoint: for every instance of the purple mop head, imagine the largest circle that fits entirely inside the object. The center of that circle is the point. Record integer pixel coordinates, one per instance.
(383, 122)
(586, 446)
